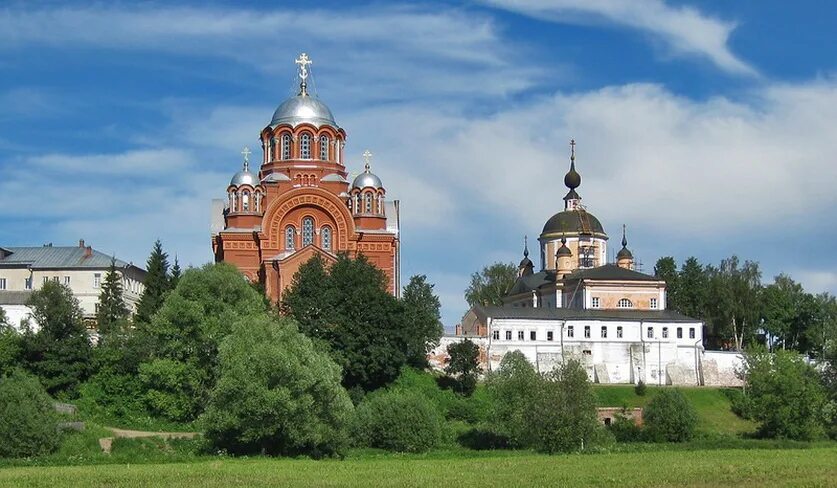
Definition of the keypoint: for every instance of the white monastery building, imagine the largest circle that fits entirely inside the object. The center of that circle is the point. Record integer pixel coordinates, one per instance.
(578, 306)
(81, 268)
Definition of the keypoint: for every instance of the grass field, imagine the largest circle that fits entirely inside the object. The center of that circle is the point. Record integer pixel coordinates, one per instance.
(716, 468)
(711, 404)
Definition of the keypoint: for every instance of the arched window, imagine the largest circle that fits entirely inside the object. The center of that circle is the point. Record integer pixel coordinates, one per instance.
(245, 201)
(305, 146)
(325, 238)
(337, 146)
(358, 202)
(232, 201)
(286, 146)
(625, 303)
(307, 231)
(257, 201)
(368, 202)
(324, 148)
(271, 152)
(290, 238)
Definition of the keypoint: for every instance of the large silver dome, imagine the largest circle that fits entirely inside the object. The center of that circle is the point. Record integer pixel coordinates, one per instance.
(300, 109)
(367, 180)
(244, 177)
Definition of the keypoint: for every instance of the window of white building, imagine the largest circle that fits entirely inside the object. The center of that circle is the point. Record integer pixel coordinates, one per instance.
(508, 335)
(586, 331)
(97, 280)
(520, 335)
(619, 332)
(625, 303)
(665, 332)
(691, 332)
(595, 302)
(604, 332)
(67, 280)
(680, 332)
(654, 303)
(533, 336)
(27, 284)
(495, 335)
(650, 333)
(46, 278)
(549, 336)
(2, 283)
(570, 331)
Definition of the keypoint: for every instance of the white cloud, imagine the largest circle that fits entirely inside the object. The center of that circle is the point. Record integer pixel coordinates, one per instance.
(817, 281)
(684, 29)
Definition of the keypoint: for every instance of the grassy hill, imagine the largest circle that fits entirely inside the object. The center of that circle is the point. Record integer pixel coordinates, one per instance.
(712, 405)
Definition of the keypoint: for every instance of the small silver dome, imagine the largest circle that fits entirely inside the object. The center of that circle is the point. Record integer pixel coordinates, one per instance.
(244, 177)
(367, 180)
(300, 109)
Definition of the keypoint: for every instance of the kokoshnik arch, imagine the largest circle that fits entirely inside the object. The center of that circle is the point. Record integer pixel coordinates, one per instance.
(299, 202)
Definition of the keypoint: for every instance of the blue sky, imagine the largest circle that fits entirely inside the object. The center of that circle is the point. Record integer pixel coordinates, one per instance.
(706, 127)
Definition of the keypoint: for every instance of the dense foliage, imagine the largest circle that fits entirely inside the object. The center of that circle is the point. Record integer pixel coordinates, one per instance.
(669, 417)
(784, 394)
(112, 308)
(156, 285)
(489, 286)
(369, 333)
(397, 421)
(276, 393)
(28, 423)
(463, 366)
(59, 352)
(423, 319)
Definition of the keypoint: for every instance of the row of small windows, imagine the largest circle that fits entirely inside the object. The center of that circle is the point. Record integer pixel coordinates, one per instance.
(624, 303)
(533, 336)
(307, 235)
(306, 147)
(367, 202)
(305, 180)
(243, 201)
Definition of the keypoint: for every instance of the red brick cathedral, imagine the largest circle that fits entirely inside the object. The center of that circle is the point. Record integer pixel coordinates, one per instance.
(299, 201)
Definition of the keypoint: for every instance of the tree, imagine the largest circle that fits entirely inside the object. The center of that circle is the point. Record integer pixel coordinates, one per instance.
(112, 307)
(734, 310)
(563, 415)
(787, 313)
(59, 352)
(176, 272)
(822, 334)
(11, 345)
(513, 388)
(27, 417)
(347, 308)
(463, 365)
(424, 319)
(489, 286)
(276, 393)
(666, 270)
(4, 319)
(784, 394)
(156, 284)
(692, 289)
(669, 417)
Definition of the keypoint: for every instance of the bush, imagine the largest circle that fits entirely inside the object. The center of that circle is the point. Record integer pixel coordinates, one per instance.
(112, 396)
(670, 417)
(513, 389)
(28, 422)
(640, 388)
(625, 429)
(173, 389)
(483, 438)
(397, 421)
(276, 394)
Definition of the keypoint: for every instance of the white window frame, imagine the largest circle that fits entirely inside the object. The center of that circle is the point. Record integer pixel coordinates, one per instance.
(570, 331)
(649, 333)
(508, 335)
(550, 336)
(2, 283)
(67, 280)
(596, 302)
(324, 147)
(495, 335)
(619, 332)
(603, 332)
(305, 146)
(665, 332)
(286, 146)
(625, 303)
(587, 332)
(97, 280)
(653, 304)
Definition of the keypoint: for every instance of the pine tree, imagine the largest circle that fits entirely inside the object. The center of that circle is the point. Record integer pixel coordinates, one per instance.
(175, 274)
(157, 284)
(112, 307)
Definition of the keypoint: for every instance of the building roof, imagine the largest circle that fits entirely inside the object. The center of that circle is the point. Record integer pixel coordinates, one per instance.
(14, 297)
(573, 223)
(508, 312)
(58, 257)
(531, 282)
(303, 109)
(609, 272)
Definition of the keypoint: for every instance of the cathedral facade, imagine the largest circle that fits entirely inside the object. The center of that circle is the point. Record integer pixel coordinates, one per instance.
(300, 201)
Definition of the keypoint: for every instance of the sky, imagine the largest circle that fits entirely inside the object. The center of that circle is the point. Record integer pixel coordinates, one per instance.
(708, 128)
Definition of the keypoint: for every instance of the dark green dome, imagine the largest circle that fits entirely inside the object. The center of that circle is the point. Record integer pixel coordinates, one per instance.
(624, 253)
(573, 223)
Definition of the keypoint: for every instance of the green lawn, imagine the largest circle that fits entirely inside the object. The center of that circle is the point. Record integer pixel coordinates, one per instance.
(739, 468)
(711, 404)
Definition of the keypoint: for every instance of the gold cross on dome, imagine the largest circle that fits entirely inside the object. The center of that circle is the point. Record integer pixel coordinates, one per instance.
(367, 157)
(303, 63)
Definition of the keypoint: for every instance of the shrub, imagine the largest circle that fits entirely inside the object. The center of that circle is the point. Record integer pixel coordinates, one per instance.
(483, 438)
(513, 389)
(624, 429)
(640, 388)
(173, 389)
(670, 417)
(276, 394)
(28, 422)
(397, 421)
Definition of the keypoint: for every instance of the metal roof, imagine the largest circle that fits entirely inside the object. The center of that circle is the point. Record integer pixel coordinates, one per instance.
(58, 257)
(580, 314)
(609, 272)
(14, 297)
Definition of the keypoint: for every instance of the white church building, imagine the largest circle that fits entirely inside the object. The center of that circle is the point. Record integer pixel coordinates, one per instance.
(607, 315)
